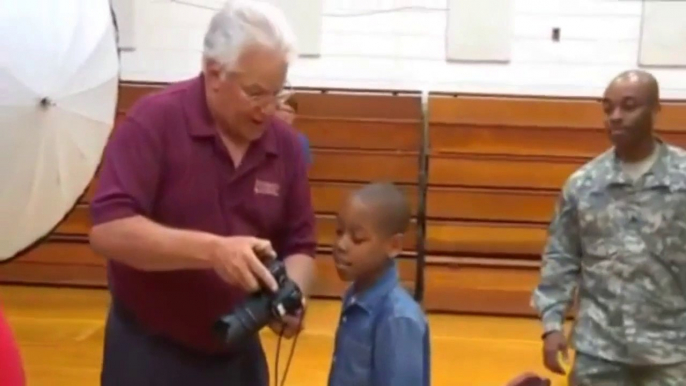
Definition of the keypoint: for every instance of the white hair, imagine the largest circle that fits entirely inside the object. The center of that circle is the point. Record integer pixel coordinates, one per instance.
(241, 23)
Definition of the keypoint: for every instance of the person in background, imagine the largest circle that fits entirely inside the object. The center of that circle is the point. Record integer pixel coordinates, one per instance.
(11, 368)
(198, 186)
(288, 111)
(383, 335)
(616, 243)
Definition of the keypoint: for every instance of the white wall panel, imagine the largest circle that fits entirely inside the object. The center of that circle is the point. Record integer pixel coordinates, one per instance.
(479, 30)
(400, 44)
(663, 34)
(305, 17)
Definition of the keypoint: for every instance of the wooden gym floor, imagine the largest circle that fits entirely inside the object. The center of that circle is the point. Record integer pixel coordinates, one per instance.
(60, 333)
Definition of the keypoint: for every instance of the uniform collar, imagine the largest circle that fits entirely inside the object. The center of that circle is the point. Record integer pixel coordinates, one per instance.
(609, 171)
(201, 124)
(370, 298)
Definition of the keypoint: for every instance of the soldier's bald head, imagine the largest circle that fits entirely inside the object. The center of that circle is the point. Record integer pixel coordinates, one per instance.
(643, 82)
(630, 105)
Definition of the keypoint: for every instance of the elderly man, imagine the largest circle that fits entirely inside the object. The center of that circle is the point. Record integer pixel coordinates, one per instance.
(197, 184)
(617, 241)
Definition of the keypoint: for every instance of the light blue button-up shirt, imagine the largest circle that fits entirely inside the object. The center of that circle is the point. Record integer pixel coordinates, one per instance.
(382, 338)
(306, 147)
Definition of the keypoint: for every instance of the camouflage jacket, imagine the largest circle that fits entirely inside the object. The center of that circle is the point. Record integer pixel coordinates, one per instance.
(620, 247)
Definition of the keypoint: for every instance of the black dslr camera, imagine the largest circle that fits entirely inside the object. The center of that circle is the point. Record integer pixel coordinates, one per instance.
(261, 307)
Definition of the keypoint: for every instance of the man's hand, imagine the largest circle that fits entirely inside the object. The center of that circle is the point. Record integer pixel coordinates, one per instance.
(555, 343)
(289, 325)
(237, 261)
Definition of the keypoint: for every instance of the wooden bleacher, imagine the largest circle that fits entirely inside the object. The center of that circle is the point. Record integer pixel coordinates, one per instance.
(358, 138)
(495, 166)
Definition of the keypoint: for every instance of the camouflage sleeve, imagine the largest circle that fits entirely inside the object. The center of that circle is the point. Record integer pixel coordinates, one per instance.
(561, 263)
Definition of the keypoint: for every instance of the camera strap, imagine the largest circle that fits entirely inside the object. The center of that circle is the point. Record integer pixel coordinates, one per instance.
(290, 356)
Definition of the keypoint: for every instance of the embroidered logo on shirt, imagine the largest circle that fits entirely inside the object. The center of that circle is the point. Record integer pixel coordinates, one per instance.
(267, 188)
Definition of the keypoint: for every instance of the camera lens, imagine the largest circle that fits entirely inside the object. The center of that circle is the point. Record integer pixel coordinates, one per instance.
(246, 320)
(260, 307)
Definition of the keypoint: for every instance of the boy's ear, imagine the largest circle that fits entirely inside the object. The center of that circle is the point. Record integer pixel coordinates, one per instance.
(395, 245)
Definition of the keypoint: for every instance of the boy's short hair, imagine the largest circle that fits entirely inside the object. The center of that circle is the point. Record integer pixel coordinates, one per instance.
(390, 204)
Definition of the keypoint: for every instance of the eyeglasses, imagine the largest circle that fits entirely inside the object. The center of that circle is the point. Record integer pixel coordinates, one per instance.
(266, 99)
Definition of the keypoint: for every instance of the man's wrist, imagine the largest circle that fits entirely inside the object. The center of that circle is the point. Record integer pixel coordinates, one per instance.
(207, 246)
(300, 268)
(550, 325)
(546, 333)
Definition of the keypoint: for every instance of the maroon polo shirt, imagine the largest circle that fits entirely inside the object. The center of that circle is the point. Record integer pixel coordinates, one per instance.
(165, 161)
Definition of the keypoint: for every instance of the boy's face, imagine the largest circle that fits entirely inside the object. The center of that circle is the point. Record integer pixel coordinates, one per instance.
(361, 250)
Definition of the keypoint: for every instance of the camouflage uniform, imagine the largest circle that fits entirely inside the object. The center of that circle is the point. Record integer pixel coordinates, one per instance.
(621, 245)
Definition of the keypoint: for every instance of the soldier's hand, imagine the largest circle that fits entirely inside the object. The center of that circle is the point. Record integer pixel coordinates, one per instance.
(554, 344)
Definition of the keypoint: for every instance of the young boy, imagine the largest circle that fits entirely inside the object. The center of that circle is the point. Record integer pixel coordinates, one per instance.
(287, 112)
(383, 335)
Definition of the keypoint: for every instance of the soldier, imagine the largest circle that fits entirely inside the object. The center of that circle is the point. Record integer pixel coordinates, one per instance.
(617, 243)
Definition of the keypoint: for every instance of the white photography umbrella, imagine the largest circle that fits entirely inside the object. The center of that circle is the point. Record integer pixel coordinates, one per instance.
(58, 92)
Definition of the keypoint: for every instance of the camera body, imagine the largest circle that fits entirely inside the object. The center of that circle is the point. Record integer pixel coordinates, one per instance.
(261, 307)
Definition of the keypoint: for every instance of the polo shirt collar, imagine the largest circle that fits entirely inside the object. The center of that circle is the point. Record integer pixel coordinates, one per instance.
(200, 121)
(373, 296)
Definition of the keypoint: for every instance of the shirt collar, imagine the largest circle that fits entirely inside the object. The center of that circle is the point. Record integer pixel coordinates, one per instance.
(370, 298)
(610, 170)
(200, 121)
(659, 173)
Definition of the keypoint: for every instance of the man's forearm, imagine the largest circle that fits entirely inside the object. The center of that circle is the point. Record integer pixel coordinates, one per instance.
(145, 245)
(301, 270)
(552, 297)
(561, 265)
